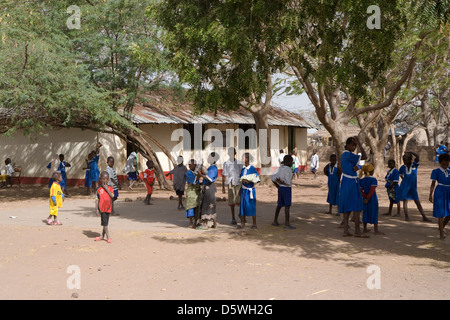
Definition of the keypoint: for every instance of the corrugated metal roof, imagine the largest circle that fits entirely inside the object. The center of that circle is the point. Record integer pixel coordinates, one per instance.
(176, 114)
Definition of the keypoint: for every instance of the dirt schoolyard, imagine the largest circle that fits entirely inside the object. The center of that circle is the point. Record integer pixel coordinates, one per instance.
(155, 256)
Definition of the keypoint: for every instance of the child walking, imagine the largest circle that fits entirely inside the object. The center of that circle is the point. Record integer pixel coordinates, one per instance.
(392, 178)
(441, 197)
(314, 163)
(56, 199)
(105, 196)
(249, 177)
(149, 179)
(113, 181)
(332, 171)
(368, 186)
(192, 194)
(350, 197)
(282, 179)
(408, 187)
(131, 169)
(179, 180)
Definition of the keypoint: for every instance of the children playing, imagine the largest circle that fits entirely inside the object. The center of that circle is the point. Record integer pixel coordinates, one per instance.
(350, 197)
(179, 180)
(441, 196)
(56, 199)
(149, 179)
(9, 171)
(368, 185)
(408, 187)
(392, 179)
(231, 177)
(333, 172)
(105, 198)
(192, 193)
(249, 177)
(282, 179)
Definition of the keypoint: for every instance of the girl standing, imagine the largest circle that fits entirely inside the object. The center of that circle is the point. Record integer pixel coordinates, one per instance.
(441, 198)
(333, 173)
(249, 177)
(350, 197)
(368, 186)
(392, 178)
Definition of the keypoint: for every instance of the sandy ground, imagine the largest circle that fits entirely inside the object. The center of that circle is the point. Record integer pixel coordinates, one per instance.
(155, 256)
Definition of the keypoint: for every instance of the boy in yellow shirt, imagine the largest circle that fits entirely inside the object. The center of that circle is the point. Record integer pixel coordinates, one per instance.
(56, 199)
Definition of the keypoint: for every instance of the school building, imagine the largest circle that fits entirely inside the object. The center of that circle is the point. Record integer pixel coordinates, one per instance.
(175, 127)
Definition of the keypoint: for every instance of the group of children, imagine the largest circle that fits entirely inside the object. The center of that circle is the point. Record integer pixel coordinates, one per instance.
(6, 178)
(353, 194)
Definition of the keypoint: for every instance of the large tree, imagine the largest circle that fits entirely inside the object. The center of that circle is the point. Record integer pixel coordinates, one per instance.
(89, 76)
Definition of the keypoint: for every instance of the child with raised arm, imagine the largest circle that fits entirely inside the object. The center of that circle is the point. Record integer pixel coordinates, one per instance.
(368, 186)
(332, 171)
(56, 199)
(408, 187)
(350, 197)
(249, 177)
(441, 198)
(392, 178)
(149, 179)
(93, 166)
(105, 196)
(282, 179)
(62, 168)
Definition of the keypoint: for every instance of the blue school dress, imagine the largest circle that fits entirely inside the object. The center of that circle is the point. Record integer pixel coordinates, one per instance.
(87, 178)
(408, 187)
(350, 198)
(441, 197)
(370, 210)
(62, 167)
(93, 168)
(391, 177)
(333, 185)
(248, 195)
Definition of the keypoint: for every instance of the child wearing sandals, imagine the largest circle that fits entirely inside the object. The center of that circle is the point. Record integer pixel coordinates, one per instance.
(105, 195)
(56, 199)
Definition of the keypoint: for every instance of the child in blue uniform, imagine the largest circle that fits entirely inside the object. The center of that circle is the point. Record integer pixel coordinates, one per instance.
(332, 171)
(368, 186)
(249, 177)
(282, 179)
(408, 187)
(392, 178)
(441, 199)
(93, 166)
(350, 198)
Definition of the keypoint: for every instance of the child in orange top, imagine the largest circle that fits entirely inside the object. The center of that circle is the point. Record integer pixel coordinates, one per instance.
(56, 199)
(149, 178)
(105, 195)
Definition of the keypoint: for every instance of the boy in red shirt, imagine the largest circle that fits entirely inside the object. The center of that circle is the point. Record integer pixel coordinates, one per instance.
(105, 195)
(149, 178)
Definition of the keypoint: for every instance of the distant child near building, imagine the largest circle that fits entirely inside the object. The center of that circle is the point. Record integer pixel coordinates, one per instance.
(282, 179)
(56, 199)
(105, 196)
(368, 186)
(93, 166)
(249, 177)
(131, 169)
(62, 168)
(408, 187)
(392, 178)
(179, 180)
(149, 179)
(113, 181)
(314, 163)
(333, 172)
(441, 198)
